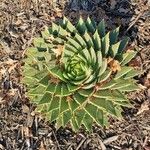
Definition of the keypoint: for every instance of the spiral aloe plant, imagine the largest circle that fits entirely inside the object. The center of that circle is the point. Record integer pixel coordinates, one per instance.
(78, 74)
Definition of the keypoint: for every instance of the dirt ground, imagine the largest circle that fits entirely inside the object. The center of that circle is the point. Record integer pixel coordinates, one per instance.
(20, 127)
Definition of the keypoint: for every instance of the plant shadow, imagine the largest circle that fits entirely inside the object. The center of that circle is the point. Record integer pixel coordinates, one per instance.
(114, 12)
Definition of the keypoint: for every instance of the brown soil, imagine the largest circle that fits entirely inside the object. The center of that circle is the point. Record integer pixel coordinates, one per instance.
(20, 128)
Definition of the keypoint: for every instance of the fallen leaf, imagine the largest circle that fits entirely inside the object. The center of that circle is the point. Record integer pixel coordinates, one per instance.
(58, 12)
(123, 10)
(42, 146)
(58, 50)
(113, 4)
(26, 131)
(148, 93)
(136, 62)
(146, 147)
(18, 22)
(25, 109)
(114, 64)
(110, 139)
(103, 147)
(144, 107)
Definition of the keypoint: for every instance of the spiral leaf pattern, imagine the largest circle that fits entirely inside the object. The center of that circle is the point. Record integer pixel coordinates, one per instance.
(78, 74)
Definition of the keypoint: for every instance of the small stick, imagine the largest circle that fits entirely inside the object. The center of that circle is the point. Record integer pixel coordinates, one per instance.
(132, 23)
(56, 140)
(80, 144)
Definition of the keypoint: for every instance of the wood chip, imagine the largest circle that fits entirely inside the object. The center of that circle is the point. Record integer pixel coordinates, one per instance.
(110, 139)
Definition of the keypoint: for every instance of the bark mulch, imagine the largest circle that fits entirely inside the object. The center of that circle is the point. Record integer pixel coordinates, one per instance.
(20, 127)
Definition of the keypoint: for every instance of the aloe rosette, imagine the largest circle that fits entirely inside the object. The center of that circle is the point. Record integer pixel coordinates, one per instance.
(79, 74)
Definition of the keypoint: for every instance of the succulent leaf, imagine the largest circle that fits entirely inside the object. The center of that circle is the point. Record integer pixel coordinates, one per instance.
(69, 76)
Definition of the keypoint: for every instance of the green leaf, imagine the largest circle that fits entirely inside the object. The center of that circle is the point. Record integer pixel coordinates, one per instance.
(123, 44)
(70, 49)
(105, 105)
(63, 105)
(39, 90)
(73, 105)
(118, 112)
(74, 43)
(31, 51)
(63, 23)
(57, 40)
(40, 43)
(55, 29)
(79, 115)
(58, 89)
(70, 27)
(87, 38)
(90, 84)
(29, 81)
(45, 80)
(89, 25)
(129, 88)
(103, 67)
(51, 88)
(91, 110)
(99, 59)
(101, 28)
(114, 49)
(118, 95)
(93, 55)
(127, 57)
(86, 54)
(54, 115)
(124, 103)
(87, 121)
(105, 44)
(80, 40)
(81, 27)
(68, 52)
(108, 85)
(97, 41)
(100, 117)
(55, 102)
(59, 122)
(66, 116)
(103, 94)
(46, 33)
(114, 35)
(47, 97)
(132, 74)
(62, 32)
(56, 72)
(79, 98)
(85, 92)
(122, 72)
(108, 94)
(120, 83)
(74, 124)
(64, 90)
(40, 108)
(72, 87)
(105, 75)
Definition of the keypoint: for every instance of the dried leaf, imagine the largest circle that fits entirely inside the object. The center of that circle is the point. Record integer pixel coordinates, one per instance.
(144, 107)
(25, 109)
(58, 50)
(114, 64)
(113, 4)
(26, 131)
(58, 12)
(42, 146)
(110, 139)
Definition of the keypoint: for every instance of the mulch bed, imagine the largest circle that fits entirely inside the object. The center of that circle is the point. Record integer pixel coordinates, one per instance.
(20, 127)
